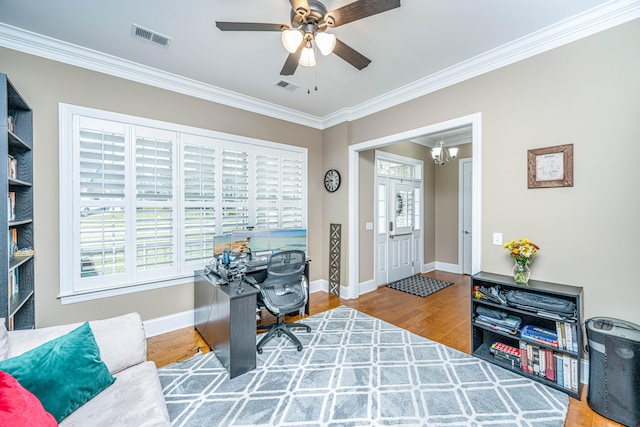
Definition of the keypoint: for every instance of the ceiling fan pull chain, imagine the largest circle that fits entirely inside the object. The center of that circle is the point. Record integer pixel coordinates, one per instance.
(316, 74)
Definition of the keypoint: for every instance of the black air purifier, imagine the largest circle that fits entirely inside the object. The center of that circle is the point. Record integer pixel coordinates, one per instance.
(614, 369)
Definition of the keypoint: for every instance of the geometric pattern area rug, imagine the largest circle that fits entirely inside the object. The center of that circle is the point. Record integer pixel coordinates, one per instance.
(419, 285)
(356, 370)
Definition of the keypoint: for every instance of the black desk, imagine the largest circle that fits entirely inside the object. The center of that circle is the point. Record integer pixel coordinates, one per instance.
(227, 321)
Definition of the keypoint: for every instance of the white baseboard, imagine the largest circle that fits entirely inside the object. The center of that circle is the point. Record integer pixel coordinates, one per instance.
(172, 322)
(428, 267)
(585, 372)
(442, 266)
(319, 285)
(368, 286)
(449, 268)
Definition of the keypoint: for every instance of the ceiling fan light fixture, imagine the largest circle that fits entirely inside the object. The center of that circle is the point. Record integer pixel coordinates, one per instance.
(307, 57)
(325, 42)
(291, 39)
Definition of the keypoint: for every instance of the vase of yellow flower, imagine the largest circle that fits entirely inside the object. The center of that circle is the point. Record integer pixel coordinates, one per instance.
(522, 251)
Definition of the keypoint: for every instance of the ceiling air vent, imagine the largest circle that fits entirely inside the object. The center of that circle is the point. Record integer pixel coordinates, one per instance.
(152, 36)
(287, 85)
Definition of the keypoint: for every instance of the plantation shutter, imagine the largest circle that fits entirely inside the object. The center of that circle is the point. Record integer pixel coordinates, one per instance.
(154, 157)
(267, 166)
(235, 187)
(292, 193)
(199, 166)
(102, 196)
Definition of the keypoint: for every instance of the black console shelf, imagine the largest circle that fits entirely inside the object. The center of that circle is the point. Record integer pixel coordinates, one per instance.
(567, 353)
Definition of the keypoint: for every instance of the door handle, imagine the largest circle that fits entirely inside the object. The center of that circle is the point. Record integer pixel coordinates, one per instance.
(467, 232)
(390, 226)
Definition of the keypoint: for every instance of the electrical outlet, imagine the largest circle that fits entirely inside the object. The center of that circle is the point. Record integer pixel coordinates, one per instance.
(497, 239)
(369, 226)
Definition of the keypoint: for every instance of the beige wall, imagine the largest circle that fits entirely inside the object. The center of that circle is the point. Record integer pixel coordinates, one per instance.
(446, 207)
(586, 93)
(335, 206)
(44, 84)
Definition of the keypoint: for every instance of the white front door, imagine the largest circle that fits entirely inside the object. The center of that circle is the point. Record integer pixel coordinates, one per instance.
(400, 244)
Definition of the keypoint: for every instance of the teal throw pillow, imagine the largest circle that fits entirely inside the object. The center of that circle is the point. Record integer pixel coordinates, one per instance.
(63, 373)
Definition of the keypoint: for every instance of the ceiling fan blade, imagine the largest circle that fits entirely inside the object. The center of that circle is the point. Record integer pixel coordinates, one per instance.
(249, 26)
(361, 9)
(291, 64)
(300, 7)
(351, 55)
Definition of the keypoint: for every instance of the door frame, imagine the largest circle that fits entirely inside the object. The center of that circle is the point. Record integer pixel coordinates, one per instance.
(475, 120)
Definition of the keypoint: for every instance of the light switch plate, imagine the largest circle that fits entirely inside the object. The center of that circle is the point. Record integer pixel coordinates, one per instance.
(368, 226)
(497, 239)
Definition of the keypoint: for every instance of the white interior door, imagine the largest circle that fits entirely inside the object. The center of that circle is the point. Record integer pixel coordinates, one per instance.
(400, 206)
(467, 230)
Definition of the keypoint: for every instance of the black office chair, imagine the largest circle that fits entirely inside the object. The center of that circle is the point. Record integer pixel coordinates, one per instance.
(284, 291)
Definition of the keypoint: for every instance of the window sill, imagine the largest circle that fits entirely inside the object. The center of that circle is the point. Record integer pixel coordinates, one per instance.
(106, 293)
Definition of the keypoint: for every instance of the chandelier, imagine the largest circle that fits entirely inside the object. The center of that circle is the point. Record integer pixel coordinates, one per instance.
(442, 155)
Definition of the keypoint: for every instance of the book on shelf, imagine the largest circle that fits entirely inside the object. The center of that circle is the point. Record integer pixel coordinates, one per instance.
(12, 167)
(506, 353)
(13, 242)
(559, 369)
(523, 355)
(568, 332)
(14, 286)
(550, 371)
(11, 206)
(11, 126)
(538, 334)
(566, 371)
(574, 373)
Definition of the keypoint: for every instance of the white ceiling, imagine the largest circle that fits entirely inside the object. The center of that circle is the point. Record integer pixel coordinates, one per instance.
(420, 47)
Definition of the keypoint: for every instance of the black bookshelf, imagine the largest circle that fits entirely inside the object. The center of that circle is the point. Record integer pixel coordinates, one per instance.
(484, 336)
(17, 304)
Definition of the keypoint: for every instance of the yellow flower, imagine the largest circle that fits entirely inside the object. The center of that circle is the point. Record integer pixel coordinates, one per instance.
(522, 250)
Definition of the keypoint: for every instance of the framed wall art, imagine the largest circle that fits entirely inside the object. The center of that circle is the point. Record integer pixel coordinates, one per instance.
(550, 167)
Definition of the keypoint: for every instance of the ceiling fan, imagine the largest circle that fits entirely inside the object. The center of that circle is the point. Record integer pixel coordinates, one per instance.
(309, 22)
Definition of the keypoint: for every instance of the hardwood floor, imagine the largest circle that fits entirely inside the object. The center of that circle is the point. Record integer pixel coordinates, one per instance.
(443, 317)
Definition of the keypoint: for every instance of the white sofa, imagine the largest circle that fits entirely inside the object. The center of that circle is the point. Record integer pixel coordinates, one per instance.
(135, 398)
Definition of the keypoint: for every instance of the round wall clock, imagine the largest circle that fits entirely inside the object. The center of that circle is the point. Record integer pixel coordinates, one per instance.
(332, 180)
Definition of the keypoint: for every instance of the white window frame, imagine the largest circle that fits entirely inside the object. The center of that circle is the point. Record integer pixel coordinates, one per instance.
(71, 290)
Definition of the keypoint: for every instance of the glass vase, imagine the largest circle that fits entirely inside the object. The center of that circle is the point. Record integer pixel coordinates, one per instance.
(521, 273)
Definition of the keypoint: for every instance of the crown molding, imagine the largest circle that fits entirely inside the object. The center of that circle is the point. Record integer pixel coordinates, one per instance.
(36, 44)
(600, 18)
(590, 22)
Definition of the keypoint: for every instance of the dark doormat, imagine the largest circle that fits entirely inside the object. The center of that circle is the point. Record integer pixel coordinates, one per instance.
(419, 285)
